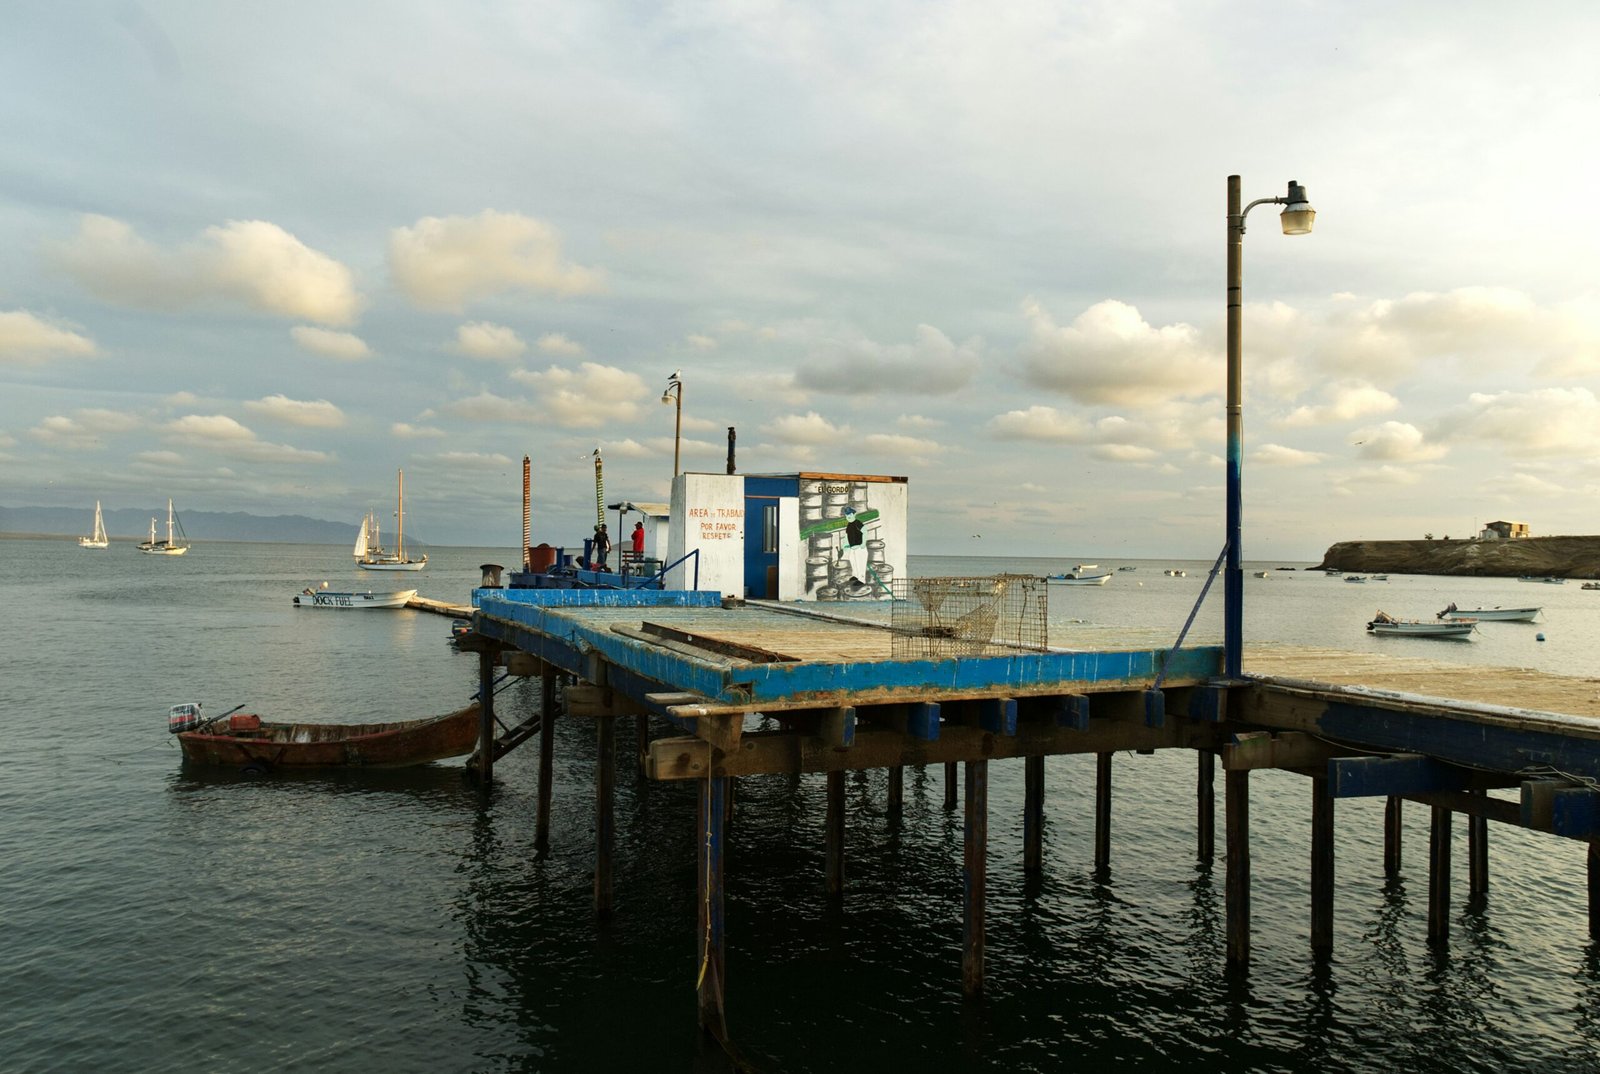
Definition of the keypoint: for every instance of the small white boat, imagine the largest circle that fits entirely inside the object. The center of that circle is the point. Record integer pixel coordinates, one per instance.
(1355, 578)
(1495, 614)
(1384, 623)
(1127, 568)
(1080, 568)
(176, 543)
(1175, 573)
(98, 539)
(1380, 577)
(1546, 579)
(1074, 578)
(1591, 585)
(1263, 574)
(322, 598)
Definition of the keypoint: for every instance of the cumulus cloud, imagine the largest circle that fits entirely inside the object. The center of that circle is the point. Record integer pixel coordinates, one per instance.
(446, 262)
(493, 342)
(589, 397)
(252, 263)
(225, 436)
(345, 346)
(1044, 423)
(1280, 455)
(1109, 354)
(1348, 401)
(809, 428)
(473, 460)
(929, 365)
(895, 444)
(1543, 422)
(700, 342)
(486, 406)
(404, 431)
(318, 414)
(1396, 441)
(27, 339)
(556, 343)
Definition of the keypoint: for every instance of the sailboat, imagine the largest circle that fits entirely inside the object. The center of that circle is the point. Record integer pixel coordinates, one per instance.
(176, 543)
(99, 539)
(369, 551)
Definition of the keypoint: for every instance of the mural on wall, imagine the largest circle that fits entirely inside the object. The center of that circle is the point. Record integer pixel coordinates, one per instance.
(841, 533)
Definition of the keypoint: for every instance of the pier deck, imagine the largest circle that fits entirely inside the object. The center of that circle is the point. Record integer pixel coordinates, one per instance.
(753, 689)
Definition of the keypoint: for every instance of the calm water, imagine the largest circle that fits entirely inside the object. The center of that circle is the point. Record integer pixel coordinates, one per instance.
(158, 919)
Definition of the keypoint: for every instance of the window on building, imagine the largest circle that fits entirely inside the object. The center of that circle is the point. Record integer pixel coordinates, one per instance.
(769, 528)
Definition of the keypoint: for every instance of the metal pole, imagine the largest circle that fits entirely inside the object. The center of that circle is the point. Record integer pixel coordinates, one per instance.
(677, 429)
(1233, 573)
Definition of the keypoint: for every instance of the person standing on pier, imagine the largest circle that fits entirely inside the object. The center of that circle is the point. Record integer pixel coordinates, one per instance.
(602, 547)
(638, 539)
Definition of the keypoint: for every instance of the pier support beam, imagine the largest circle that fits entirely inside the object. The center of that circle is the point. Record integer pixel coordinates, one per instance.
(605, 781)
(1102, 811)
(1236, 805)
(833, 837)
(1392, 828)
(486, 666)
(950, 785)
(1033, 815)
(895, 800)
(974, 876)
(1206, 807)
(1321, 867)
(1439, 877)
(1478, 855)
(709, 987)
(547, 749)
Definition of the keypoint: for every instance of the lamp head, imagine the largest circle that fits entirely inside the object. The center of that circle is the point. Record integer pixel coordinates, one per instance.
(666, 396)
(1298, 215)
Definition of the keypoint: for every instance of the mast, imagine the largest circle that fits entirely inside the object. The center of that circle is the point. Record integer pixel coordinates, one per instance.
(400, 519)
(169, 521)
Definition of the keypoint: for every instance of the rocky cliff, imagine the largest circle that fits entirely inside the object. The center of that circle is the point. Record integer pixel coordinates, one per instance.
(1562, 557)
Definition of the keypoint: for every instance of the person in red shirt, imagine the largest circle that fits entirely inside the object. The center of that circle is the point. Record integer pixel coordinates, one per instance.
(638, 538)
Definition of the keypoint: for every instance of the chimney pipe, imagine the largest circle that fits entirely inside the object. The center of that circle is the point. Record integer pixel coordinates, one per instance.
(731, 438)
(527, 516)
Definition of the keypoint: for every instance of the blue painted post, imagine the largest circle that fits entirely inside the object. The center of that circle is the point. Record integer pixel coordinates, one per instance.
(974, 876)
(1233, 573)
(709, 982)
(998, 715)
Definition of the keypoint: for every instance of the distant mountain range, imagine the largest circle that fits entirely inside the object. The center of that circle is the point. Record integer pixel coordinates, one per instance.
(134, 522)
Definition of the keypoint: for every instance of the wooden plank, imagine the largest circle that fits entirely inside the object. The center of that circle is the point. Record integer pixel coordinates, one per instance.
(837, 728)
(1236, 796)
(693, 652)
(1292, 750)
(738, 650)
(1033, 815)
(998, 715)
(590, 701)
(1393, 829)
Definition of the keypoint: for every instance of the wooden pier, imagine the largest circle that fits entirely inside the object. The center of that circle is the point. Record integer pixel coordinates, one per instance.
(718, 693)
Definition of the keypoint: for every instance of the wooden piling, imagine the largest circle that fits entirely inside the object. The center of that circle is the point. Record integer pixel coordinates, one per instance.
(486, 666)
(950, 785)
(1392, 829)
(1033, 815)
(709, 980)
(975, 845)
(894, 802)
(547, 745)
(1478, 855)
(1102, 811)
(1439, 877)
(1236, 806)
(641, 734)
(833, 837)
(1206, 806)
(605, 782)
(1594, 891)
(1321, 867)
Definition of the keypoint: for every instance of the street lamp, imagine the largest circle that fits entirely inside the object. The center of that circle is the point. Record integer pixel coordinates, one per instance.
(674, 393)
(1296, 218)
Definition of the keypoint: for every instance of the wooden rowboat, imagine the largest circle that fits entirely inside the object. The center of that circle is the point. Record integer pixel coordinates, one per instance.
(248, 742)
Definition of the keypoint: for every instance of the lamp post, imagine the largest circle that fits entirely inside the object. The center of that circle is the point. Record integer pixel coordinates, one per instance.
(674, 393)
(1296, 218)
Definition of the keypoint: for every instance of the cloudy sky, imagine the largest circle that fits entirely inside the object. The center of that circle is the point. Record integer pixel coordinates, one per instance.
(259, 256)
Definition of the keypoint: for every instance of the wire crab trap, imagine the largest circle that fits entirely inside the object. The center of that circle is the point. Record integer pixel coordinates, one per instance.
(941, 617)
